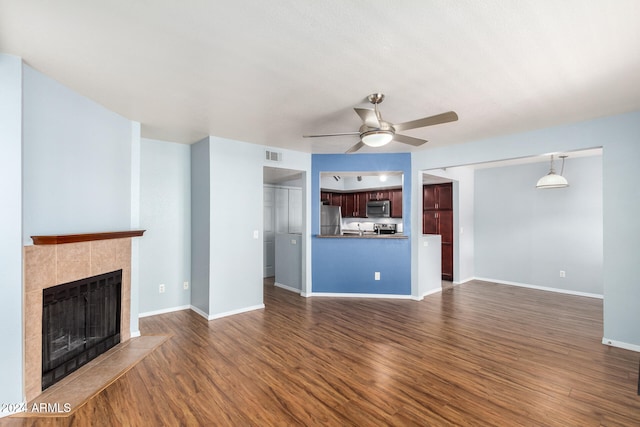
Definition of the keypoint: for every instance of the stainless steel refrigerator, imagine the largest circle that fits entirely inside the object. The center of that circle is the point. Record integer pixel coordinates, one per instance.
(330, 220)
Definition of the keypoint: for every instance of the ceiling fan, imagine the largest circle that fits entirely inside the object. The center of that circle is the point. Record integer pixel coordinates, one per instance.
(375, 132)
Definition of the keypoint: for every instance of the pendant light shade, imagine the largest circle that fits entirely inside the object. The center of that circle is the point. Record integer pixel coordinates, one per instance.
(553, 180)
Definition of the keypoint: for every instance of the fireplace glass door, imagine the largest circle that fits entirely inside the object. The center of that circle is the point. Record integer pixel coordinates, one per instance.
(80, 321)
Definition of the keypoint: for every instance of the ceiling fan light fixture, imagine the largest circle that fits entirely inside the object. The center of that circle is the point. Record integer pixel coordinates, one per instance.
(377, 138)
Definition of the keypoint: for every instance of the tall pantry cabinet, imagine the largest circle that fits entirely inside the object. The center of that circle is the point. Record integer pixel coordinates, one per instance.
(437, 218)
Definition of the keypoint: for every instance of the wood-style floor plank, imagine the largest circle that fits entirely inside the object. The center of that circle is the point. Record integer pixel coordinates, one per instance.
(476, 354)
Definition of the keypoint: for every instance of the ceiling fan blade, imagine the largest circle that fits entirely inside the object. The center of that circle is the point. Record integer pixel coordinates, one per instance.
(409, 140)
(450, 116)
(355, 148)
(330, 134)
(369, 117)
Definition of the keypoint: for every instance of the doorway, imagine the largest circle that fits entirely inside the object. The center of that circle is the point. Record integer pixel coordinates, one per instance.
(283, 237)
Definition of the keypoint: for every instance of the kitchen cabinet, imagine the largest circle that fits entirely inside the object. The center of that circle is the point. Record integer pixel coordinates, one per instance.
(396, 203)
(437, 196)
(437, 218)
(354, 205)
(379, 195)
(361, 204)
(336, 199)
(325, 197)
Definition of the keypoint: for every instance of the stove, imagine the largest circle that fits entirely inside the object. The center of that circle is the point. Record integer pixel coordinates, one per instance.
(384, 228)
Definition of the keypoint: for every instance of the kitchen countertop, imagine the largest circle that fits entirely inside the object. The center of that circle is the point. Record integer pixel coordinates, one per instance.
(364, 236)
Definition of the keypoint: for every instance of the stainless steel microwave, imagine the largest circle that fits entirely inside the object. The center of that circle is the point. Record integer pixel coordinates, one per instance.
(378, 209)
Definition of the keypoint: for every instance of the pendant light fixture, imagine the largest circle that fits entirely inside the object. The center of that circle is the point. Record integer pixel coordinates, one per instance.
(553, 180)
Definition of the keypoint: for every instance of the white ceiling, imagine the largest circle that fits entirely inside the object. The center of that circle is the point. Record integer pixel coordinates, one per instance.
(268, 72)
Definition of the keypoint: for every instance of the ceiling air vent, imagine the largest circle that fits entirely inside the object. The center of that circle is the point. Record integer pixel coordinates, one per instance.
(273, 155)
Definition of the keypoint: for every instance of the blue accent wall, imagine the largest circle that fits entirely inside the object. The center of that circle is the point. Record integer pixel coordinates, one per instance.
(348, 265)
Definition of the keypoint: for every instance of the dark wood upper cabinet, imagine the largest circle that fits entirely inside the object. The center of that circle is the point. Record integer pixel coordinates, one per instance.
(445, 196)
(348, 205)
(379, 195)
(437, 196)
(396, 203)
(429, 198)
(325, 197)
(354, 205)
(361, 204)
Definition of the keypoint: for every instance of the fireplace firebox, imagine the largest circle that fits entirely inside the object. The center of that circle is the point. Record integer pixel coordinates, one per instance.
(80, 321)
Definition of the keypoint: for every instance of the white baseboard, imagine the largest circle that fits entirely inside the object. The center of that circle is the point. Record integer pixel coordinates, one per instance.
(353, 295)
(464, 281)
(540, 288)
(163, 311)
(287, 288)
(431, 292)
(238, 311)
(198, 311)
(621, 344)
(135, 334)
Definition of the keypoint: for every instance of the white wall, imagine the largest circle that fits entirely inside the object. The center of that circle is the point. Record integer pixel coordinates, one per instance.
(68, 170)
(77, 157)
(620, 137)
(526, 236)
(351, 183)
(200, 226)
(236, 209)
(429, 265)
(135, 225)
(11, 389)
(165, 212)
(288, 261)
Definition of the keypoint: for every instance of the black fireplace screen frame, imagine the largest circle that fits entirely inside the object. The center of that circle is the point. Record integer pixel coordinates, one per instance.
(80, 321)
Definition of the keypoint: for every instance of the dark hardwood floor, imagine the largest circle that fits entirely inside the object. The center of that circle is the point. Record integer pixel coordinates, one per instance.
(477, 354)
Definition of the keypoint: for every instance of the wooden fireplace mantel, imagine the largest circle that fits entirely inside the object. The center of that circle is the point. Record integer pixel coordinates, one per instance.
(88, 237)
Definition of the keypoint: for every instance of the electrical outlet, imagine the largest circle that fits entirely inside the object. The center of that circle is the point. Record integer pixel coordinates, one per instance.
(185, 285)
(161, 288)
(562, 273)
(376, 276)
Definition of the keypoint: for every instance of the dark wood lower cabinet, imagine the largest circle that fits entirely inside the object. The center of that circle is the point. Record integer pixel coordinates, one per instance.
(447, 261)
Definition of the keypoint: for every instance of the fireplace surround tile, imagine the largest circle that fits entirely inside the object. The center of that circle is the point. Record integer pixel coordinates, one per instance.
(73, 262)
(39, 267)
(103, 256)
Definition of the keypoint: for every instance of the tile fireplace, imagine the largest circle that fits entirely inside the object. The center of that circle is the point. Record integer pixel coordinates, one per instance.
(56, 260)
